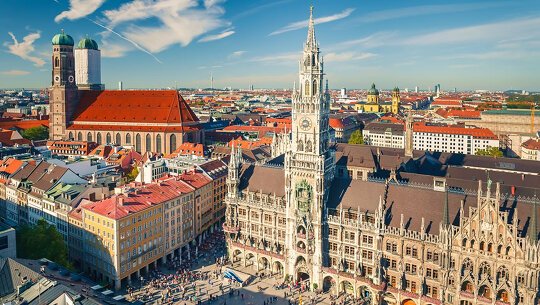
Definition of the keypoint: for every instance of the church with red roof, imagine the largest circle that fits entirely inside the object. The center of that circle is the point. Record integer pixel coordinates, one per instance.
(147, 120)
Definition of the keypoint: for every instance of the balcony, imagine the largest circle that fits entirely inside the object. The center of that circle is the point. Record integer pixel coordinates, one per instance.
(230, 229)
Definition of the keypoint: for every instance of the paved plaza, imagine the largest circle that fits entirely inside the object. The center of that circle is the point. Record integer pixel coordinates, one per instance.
(199, 280)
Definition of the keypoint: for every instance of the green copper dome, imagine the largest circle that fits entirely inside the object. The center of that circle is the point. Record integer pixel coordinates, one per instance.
(396, 89)
(87, 43)
(373, 90)
(62, 39)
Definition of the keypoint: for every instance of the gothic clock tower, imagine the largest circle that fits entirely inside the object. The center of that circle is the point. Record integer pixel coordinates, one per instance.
(63, 94)
(309, 166)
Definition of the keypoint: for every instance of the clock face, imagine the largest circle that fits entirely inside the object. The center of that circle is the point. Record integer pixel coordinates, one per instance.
(305, 124)
(71, 78)
(57, 78)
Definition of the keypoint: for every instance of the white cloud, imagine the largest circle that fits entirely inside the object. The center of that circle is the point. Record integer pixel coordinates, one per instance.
(491, 32)
(236, 54)
(423, 10)
(15, 72)
(114, 50)
(79, 9)
(278, 58)
(179, 22)
(347, 56)
(304, 24)
(25, 48)
(217, 36)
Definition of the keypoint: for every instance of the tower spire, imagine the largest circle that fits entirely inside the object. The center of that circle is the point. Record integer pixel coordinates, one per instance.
(311, 41)
(533, 235)
(446, 217)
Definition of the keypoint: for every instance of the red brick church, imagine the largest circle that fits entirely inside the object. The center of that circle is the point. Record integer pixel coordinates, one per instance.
(147, 120)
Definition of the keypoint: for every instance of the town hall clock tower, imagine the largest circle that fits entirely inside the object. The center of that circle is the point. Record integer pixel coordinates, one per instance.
(309, 166)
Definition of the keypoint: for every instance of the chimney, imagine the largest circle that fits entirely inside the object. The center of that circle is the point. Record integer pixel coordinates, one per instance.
(120, 200)
(92, 197)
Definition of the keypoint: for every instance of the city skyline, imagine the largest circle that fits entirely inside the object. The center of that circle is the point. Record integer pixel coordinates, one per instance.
(480, 45)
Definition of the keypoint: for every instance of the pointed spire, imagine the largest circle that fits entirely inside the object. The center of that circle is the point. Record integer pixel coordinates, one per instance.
(533, 235)
(446, 217)
(311, 41)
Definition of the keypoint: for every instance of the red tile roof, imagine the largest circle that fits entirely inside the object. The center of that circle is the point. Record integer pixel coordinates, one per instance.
(134, 128)
(533, 144)
(483, 133)
(25, 124)
(146, 196)
(7, 138)
(133, 106)
(188, 148)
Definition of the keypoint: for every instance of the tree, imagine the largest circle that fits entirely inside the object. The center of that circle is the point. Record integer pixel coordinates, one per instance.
(36, 133)
(489, 151)
(356, 137)
(130, 177)
(42, 241)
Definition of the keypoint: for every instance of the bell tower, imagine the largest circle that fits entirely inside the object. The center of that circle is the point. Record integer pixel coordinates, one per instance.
(309, 166)
(63, 94)
(395, 100)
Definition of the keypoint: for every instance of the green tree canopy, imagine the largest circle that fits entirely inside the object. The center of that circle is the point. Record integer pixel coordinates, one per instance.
(489, 151)
(132, 175)
(36, 133)
(356, 137)
(42, 241)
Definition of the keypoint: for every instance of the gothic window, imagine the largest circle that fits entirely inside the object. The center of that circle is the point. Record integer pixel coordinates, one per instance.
(56, 62)
(313, 59)
(314, 87)
(467, 267)
(499, 249)
(306, 88)
(138, 145)
(79, 136)
(485, 269)
(464, 242)
(148, 142)
(118, 139)
(70, 136)
(482, 245)
(508, 250)
(89, 137)
(98, 138)
(128, 139)
(308, 146)
(472, 243)
(158, 144)
(490, 247)
(300, 146)
(172, 143)
(502, 274)
(108, 138)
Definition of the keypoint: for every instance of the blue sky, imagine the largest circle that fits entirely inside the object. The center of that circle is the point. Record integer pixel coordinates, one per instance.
(144, 43)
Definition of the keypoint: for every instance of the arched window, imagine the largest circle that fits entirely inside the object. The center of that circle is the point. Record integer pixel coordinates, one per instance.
(138, 143)
(300, 145)
(306, 88)
(89, 137)
(464, 242)
(118, 139)
(467, 267)
(172, 143)
(70, 136)
(158, 143)
(98, 138)
(485, 270)
(148, 142)
(472, 243)
(314, 87)
(79, 136)
(502, 274)
(312, 59)
(508, 250)
(308, 146)
(482, 245)
(499, 249)
(128, 139)
(56, 62)
(108, 138)
(490, 247)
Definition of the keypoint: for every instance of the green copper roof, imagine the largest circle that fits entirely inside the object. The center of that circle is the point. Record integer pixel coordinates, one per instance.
(511, 112)
(87, 43)
(396, 89)
(62, 39)
(373, 90)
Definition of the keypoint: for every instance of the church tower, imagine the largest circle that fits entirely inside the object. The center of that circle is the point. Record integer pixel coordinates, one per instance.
(63, 94)
(395, 100)
(309, 166)
(88, 65)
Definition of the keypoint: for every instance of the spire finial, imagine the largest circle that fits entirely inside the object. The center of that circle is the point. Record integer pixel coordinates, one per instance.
(311, 41)
(446, 216)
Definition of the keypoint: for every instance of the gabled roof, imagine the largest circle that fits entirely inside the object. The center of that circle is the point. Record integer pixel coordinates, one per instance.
(133, 106)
